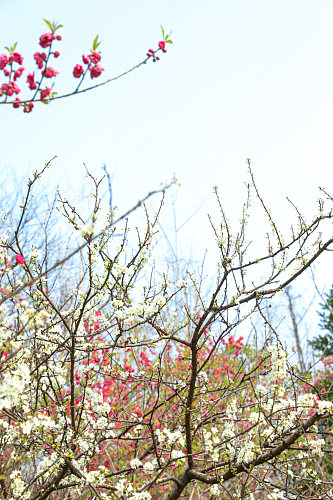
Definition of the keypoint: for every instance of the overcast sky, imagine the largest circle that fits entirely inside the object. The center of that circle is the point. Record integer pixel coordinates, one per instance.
(244, 78)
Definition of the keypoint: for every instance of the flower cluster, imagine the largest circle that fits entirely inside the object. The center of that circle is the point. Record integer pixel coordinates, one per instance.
(91, 61)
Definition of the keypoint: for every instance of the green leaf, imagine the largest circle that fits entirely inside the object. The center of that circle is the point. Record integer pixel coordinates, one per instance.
(58, 26)
(162, 31)
(14, 46)
(48, 23)
(96, 43)
(168, 41)
(7, 48)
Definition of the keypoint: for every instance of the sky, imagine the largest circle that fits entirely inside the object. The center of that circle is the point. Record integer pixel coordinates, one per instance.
(243, 79)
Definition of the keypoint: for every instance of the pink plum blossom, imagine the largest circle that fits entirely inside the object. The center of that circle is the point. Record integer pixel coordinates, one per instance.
(45, 93)
(95, 57)
(49, 72)
(40, 58)
(16, 57)
(46, 40)
(96, 71)
(78, 71)
(19, 259)
(18, 73)
(3, 61)
(27, 109)
(31, 81)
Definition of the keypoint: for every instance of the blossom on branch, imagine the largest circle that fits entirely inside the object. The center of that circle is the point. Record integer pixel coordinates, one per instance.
(31, 81)
(96, 71)
(46, 40)
(50, 72)
(16, 57)
(40, 57)
(9, 89)
(19, 259)
(18, 73)
(3, 61)
(45, 93)
(78, 71)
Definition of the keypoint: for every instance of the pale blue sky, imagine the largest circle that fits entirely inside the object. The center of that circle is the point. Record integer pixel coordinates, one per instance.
(244, 78)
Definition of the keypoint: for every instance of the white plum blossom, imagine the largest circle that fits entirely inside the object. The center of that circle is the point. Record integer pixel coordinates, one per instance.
(13, 385)
(135, 463)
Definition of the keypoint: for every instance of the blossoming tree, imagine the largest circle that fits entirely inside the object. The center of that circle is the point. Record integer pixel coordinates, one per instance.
(109, 391)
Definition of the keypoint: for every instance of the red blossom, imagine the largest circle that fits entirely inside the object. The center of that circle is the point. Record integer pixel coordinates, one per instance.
(3, 61)
(16, 57)
(28, 107)
(96, 71)
(18, 73)
(85, 59)
(16, 102)
(6, 72)
(31, 81)
(46, 40)
(78, 71)
(56, 54)
(59, 37)
(19, 259)
(161, 45)
(45, 93)
(95, 57)
(49, 72)
(10, 88)
(40, 58)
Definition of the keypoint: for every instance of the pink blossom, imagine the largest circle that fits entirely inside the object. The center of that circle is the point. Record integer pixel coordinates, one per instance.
(18, 73)
(161, 45)
(16, 57)
(6, 72)
(10, 88)
(85, 59)
(95, 57)
(78, 71)
(27, 109)
(46, 40)
(150, 53)
(3, 61)
(16, 102)
(49, 72)
(59, 37)
(56, 54)
(96, 71)
(40, 58)
(31, 81)
(19, 259)
(45, 93)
